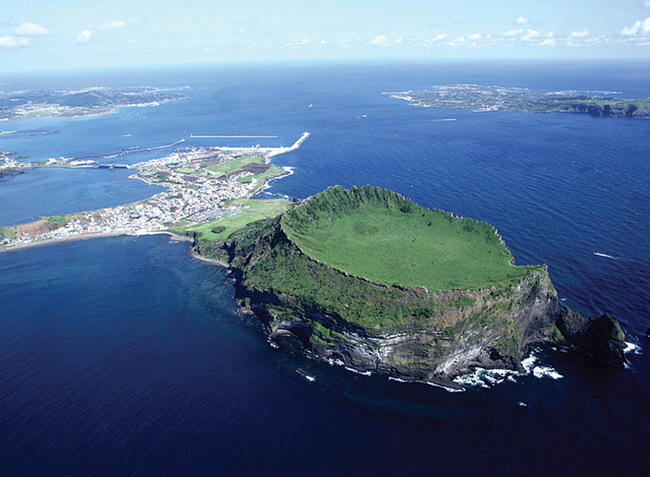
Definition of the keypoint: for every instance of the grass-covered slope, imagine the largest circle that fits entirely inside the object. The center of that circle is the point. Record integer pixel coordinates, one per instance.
(89, 99)
(383, 237)
(264, 261)
(277, 256)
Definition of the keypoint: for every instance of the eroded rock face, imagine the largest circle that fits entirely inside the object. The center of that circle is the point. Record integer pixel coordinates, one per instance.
(489, 333)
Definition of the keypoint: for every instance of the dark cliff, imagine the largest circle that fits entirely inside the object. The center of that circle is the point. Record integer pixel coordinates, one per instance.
(601, 338)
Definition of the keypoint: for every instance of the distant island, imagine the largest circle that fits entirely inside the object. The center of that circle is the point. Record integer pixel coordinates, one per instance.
(80, 102)
(366, 278)
(497, 98)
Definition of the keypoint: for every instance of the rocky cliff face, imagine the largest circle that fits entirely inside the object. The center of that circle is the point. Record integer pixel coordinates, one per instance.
(600, 338)
(627, 110)
(430, 336)
(494, 331)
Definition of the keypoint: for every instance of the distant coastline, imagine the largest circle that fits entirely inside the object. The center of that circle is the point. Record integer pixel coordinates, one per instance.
(497, 98)
(85, 102)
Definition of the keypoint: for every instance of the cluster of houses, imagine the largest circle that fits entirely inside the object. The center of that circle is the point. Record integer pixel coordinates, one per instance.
(189, 197)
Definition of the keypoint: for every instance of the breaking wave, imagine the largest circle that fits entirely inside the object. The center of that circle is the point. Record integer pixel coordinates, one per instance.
(631, 347)
(487, 378)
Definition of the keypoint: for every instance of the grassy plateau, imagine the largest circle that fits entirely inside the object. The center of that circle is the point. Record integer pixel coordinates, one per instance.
(390, 240)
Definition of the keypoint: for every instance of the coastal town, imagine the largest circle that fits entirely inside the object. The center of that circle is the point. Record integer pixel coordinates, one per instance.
(200, 185)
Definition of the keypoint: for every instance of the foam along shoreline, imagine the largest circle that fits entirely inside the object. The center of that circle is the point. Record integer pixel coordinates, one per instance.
(449, 386)
(267, 184)
(487, 378)
(201, 258)
(73, 238)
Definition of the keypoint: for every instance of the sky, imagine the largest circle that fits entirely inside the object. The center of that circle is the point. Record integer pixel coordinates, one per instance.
(40, 35)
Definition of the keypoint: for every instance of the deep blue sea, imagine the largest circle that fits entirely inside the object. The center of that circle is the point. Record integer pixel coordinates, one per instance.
(125, 356)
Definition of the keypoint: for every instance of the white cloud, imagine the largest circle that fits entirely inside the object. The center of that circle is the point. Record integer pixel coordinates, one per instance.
(31, 29)
(457, 41)
(116, 25)
(293, 44)
(379, 40)
(513, 33)
(522, 20)
(631, 31)
(84, 36)
(475, 36)
(640, 27)
(440, 37)
(579, 34)
(548, 42)
(399, 40)
(531, 34)
(13, 42)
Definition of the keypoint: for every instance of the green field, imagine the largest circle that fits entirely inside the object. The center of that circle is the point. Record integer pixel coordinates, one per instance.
(390, 240)
(8, 232)
(250, 210)
(235, 164)
(240, 163)
(270, 173)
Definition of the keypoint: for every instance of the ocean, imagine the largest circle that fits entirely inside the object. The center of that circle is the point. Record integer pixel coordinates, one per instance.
(125, 356)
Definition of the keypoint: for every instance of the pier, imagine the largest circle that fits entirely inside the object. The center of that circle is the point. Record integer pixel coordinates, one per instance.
(112, 166)
(274, 151)
(302, 139)
(232, 137)
(266, 151)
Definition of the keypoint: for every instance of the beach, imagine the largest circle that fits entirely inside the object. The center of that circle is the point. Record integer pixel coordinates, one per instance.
(88, 236)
